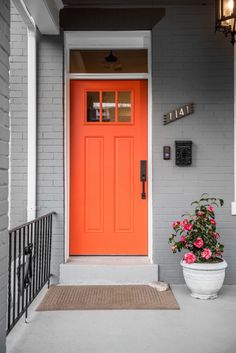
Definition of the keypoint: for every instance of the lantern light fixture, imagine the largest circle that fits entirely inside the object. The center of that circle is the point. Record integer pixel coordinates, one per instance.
(226, 17)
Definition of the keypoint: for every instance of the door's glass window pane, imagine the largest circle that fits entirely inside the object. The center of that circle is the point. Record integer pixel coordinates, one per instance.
(124, 107)
(228, 7)
(93, 107)
(108, 107)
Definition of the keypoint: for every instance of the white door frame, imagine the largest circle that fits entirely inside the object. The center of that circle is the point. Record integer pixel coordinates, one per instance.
(106, 40)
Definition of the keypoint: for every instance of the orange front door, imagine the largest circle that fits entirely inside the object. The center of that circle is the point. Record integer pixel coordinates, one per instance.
(108, 139)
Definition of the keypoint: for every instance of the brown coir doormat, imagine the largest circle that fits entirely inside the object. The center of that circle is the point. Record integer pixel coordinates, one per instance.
(107, 297)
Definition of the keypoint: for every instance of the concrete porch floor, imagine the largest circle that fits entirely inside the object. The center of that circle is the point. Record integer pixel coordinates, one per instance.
(199, 326)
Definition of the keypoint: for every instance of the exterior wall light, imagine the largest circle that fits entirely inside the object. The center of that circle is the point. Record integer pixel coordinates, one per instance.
(226, 17)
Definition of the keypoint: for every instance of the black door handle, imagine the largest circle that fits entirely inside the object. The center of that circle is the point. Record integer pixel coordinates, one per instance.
(143, 177)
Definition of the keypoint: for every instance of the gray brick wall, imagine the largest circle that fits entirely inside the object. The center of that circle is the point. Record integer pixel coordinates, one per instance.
(18, 109)
(192, 64)
(4, 150)
(50, 167)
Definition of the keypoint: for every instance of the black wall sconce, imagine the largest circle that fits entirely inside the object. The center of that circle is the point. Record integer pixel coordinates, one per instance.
(183, 153)
(225, 17)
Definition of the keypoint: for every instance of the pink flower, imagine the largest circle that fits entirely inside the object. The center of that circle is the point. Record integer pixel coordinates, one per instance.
(213, 221)
(175, 224)
(216, 235)
(210, 208)
(200, 213)
(199, 243)
(189, 258)
(184, 223)
(182, 238)
(188, 227)
(206, 254)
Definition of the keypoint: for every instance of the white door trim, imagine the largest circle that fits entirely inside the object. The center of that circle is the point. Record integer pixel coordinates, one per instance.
(233, 204)
(106, 40)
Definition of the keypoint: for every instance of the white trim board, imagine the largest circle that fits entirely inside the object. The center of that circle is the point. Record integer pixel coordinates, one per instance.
(108, 40)
(32, 107)
(233, 204)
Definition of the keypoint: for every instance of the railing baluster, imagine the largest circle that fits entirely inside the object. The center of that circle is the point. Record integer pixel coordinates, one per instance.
(50, 250)
(43, 249)
(23, 292)
(29, 265)
(19, 273)
(33, 228)
(46, 252)
(30, 241)
(40, 252)
(9, 283)
(37, 255)
(14, 277)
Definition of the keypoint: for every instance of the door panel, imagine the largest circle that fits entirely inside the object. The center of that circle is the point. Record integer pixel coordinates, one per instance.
(108, 138)
(124, 179)
(93, 182)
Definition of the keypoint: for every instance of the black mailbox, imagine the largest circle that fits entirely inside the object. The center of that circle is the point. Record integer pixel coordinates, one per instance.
(183, 153)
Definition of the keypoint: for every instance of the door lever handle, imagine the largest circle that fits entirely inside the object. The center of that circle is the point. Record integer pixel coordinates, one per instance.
(143, 177)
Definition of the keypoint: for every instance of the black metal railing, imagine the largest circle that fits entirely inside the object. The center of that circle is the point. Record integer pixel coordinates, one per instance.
(28, 266)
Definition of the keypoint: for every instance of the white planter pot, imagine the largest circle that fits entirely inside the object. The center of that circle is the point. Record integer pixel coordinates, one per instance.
(204, 279)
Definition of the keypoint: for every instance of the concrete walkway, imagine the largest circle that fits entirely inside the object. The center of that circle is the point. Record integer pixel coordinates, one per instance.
(199, 327)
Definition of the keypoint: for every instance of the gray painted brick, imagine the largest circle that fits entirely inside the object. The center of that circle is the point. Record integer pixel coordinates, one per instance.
(4, 138)
(197, 67)
(190, 63)
(50, 193)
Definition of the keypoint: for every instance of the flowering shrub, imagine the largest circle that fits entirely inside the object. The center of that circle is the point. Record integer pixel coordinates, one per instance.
(197, 233)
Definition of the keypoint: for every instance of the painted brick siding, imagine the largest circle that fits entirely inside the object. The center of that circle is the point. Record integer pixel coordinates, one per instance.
(4, 150)
(192, 64)
(50, 166)
(18, 110)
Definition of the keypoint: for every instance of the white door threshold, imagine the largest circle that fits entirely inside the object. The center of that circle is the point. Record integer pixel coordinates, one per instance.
(109, 260)
(108, 270)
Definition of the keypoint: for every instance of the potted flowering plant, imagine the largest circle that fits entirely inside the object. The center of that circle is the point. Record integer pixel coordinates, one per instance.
(203, 265)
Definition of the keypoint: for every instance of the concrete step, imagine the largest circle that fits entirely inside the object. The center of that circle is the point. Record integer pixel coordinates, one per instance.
(108, 270)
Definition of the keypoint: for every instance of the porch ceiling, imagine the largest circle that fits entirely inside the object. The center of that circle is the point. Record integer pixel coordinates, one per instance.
(92, 19)
(110, 15)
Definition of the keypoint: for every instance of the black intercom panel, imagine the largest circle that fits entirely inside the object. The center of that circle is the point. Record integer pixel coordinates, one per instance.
(183, 153)
(166, 153)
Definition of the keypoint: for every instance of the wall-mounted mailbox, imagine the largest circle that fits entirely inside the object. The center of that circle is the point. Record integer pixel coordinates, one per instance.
(183, 153)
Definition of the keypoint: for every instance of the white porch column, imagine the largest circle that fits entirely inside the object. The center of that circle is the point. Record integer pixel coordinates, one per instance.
(32, 119)
(234, 202)
(32, 109)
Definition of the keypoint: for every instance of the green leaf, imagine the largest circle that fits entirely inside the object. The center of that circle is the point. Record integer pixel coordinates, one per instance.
(195, 202)
(204, 194)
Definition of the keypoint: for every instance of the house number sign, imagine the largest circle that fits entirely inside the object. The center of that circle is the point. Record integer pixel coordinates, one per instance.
(178, 113)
